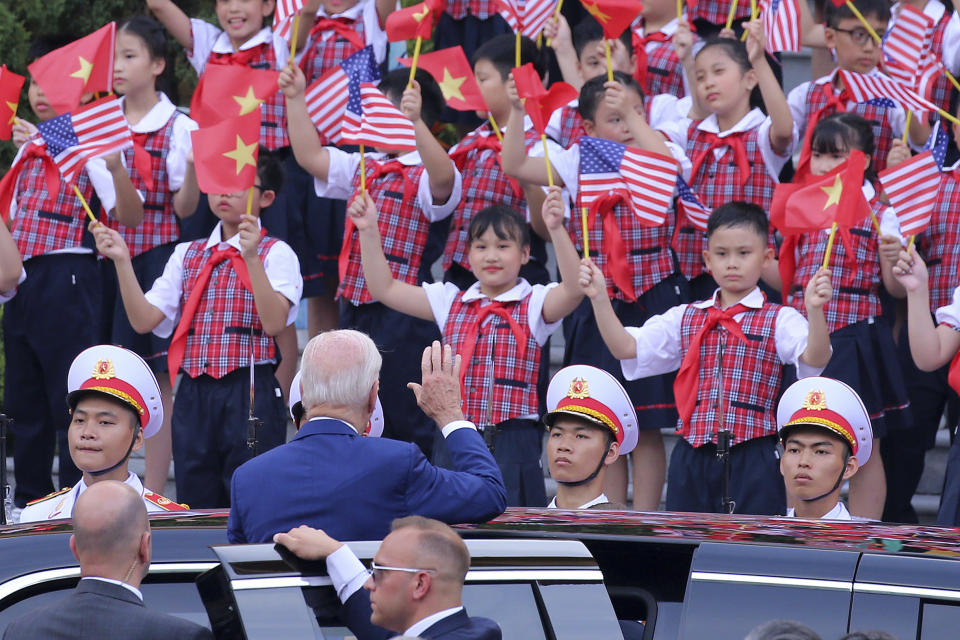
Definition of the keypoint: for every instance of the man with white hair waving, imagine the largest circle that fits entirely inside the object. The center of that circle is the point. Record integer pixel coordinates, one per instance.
(331, 478)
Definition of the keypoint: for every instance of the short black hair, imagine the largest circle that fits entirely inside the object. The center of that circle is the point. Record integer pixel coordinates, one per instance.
(589, 30)
(879, 9)
(739, 214)
(42, 45)
(501, 53)
(505, 221)
(592, 92)
(396, 81)
(269, 170)
(844, 132)
(735, 50)
(154, 38)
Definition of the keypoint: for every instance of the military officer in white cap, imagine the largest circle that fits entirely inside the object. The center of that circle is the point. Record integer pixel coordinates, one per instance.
(114, 405)
(591, 422)
(826, 436)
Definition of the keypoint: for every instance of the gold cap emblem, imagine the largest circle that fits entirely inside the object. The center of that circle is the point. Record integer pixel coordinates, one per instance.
(578, 389)
(104, 370)
(815, 400)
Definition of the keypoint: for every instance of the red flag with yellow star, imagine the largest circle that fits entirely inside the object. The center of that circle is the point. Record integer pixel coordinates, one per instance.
(225, 155)
(449, 67)
(83, 66)
(613, 15)
(416, 21)
(10, 86)
(230, 91)
(540, 103)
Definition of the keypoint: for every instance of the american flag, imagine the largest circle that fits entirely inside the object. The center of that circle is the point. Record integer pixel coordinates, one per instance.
(96, 130)
(781, 23)
(937, 144)
(328, 97)
(912, 189)
(527, 16)
(380, 124)
(644, 179)
(865, 88)
(908, 50)
(689, 204)
(284, 15)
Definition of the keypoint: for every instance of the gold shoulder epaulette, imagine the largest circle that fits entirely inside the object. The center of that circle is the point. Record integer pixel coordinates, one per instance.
(164, 503)
(51, 495)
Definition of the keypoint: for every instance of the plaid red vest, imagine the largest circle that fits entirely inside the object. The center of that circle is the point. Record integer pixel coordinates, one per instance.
(877, 115)
(459, 9)
(716, 11)
(159, 224)
(273, 123)
(648, 248)
(403, 227)
(44, 224)
(855, 272)
(501, 377)
(664, 72)
(941, 89)
(325, 54)
(750, 372)
(219, 340)
(940, 242)
(571, 126)
(718, 182)
(477, 157)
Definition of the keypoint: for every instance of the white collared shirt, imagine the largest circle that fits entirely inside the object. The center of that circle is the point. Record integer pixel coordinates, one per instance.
(373, 33)
(180, 142)
(839, 512)
(800, 107)
(600, 499)
(58, 507)
(129, 587)
(677, 131)
(950, 314)
(344, 165)
(280, 263)
(208, 39)
(419, 627)
(659, 339)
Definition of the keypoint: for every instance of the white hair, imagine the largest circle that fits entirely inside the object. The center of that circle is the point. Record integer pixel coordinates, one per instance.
(339, 368)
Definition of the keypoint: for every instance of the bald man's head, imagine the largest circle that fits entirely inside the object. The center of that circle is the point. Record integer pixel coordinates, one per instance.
(109, 521)
(339, 368)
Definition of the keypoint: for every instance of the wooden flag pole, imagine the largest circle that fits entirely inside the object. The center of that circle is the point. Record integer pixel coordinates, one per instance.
(679, 9)
(906, 128)
(870, 30)
(293, 38)
(730, 14)
(952, 80)
(250, 201)
(83, 201)
(876, 223)
(413, 62)
(496, 129)
(516, 48)
(606, 47)
(911, 242)
(546, 156)
(556, 14)
(363, 173)
(586, 232)
(826, 256)
(754, 14)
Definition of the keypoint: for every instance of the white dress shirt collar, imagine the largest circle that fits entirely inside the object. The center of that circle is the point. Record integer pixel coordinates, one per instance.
(419, 627)
(754, 300)
(518, 292)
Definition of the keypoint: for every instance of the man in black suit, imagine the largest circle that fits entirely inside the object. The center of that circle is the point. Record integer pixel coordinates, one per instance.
(111, 540)
(413, 589)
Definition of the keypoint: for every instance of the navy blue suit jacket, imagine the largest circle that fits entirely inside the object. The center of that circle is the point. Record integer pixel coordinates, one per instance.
(355, 613)
(352, 487)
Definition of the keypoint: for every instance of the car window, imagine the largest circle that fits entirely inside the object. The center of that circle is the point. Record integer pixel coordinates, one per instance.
(939, 621)
(580, 611)
(512, 606)
(40, 599)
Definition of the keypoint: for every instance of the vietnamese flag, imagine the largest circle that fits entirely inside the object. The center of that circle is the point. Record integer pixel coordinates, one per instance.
(83, 66)
(10, 86)
(230, 91)
(540, 103)
(414, 22)
(449, 67)
(614, 15)
(226, 154)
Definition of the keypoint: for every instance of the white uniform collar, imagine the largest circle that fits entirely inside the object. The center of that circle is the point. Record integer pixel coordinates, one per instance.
(752, 120)
(839, 512)
(518, 292)
(668, 29)
(600, 499)
(216, 237)
(353, 13)
(754, 300)
(223, 45)
(409, 159)
(156, 118)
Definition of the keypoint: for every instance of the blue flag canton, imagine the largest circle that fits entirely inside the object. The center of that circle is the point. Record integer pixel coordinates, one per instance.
(360, 67)
(887, 103)
(684, 192)
(937, 145)
(58, 133)
(598, 155)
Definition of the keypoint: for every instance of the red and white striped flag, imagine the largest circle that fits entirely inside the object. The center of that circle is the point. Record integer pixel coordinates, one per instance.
(330, 96)
(864, 88)
(689, 204)
(96, 130)
(912, 189)
(381, 124)
(283, 17)
(781, 24)
(526, 16)
(908, 50)
(644, 180)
